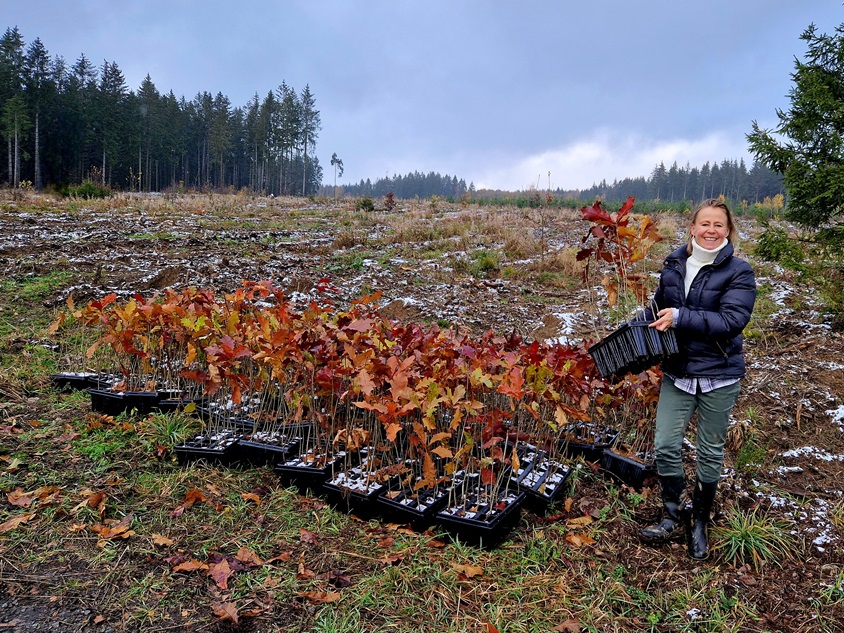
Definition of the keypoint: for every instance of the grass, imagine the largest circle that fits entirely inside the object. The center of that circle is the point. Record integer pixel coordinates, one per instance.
(752, 538)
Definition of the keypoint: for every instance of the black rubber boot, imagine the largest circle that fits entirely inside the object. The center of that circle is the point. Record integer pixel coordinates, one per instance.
(702, 500)
(671, 527)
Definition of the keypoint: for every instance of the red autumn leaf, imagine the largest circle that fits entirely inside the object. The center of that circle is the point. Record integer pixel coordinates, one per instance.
(307, 537)
(490, 628)
(221, 572)
(226, 611)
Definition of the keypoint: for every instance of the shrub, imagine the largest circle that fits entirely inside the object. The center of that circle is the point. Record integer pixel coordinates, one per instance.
(389, 202)
(89, 189)
(775, 245)
(364, 204)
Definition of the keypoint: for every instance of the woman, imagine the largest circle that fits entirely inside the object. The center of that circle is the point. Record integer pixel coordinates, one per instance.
(706, 295)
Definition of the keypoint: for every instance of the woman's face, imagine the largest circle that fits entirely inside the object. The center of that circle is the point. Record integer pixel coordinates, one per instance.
(710, 227)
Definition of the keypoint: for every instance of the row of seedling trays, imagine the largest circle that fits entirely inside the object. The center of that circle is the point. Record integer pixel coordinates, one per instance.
(633, 348)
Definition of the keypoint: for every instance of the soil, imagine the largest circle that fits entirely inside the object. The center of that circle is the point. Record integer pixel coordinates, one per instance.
(791, 407)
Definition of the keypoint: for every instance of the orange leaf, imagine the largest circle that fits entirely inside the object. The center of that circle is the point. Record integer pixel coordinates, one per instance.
(580, 521)
(443, 452)
(251, 496)
(11, 524)
(221, 572)
(320, 597)
(191, 565)
(161, 541)
(226, 611)
(307, 537)
(578, 540)
(469, 571)
(490, 628)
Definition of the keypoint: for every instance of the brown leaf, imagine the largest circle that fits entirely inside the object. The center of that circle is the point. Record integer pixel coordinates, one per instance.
(251, 496)
(569, 626)
(490, 628)
(192, 497)
(469, 571)
(14, 464)
(248, 557)
(226, 611)
(386, 542)
(191, 565)
(307, 537)
(283, 557)
(12, 523)
(221, 572)
(19, 498)
(320, 597)
(580, 521)
(99, 619)
(578, 540)
(161, 541)
(395, 559)
(118, 531)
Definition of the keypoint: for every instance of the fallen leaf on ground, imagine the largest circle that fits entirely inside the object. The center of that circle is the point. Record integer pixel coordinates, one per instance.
(191, 565)
(580, 521)
(395, 559)
(307, 537)
(283, 557)
(221, 572)
(99, 619)
(161, 540)
(579, 540)
(12, 523)
(251, 496)
(336, 578)
(118, 531)
(13, 466)
(490, 628)
(469, 571)
(248, 557)
(226, 611)
(19, 498)
(320, 597)
(386, 542)
(192, 497)
(569, 626)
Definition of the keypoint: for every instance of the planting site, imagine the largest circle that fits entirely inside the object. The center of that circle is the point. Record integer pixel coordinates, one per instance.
(106, 526)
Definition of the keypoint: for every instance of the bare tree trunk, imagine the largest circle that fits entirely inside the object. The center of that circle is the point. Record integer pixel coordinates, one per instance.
(104, 167)
(11, 173)
(38, 183)
(17, 176)
(305, 166)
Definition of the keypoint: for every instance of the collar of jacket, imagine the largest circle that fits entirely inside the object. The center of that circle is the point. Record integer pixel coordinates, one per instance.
(681, 255)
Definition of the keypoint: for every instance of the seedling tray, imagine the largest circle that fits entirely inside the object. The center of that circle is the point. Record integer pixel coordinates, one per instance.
(219, 447)
(481, 523)
(633, 348)
(114, 403)
(73, 380)
(309, 474)
(632, 472)
(543, 480)
(262, 449)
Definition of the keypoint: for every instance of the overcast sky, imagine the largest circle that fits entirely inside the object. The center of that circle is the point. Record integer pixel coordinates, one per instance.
(498, 92)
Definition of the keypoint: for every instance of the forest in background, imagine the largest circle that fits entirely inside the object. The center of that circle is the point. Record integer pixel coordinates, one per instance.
(63, 124)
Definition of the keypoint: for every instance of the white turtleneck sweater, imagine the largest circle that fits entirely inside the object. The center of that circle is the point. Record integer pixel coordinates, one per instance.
(699, 258)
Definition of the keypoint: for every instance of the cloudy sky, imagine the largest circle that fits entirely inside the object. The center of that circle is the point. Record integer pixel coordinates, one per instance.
(499, 92)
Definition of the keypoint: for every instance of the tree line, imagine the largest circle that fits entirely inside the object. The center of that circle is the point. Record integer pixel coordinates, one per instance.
(412, 185)
(64, 124)
(730, 178)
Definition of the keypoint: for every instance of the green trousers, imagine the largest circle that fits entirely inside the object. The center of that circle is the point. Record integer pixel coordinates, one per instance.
(674, 410)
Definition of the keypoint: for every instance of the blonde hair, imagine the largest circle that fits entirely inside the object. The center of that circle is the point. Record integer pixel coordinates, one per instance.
(716, 203)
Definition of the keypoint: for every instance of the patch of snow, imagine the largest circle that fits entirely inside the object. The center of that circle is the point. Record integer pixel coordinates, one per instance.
(811, 451)
(784, 470)
(837, 415)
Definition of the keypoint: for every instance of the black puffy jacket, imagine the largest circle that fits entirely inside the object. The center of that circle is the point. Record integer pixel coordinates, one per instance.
(711, 318)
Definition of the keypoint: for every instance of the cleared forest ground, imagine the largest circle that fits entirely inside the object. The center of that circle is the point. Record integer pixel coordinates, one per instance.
(460, 266)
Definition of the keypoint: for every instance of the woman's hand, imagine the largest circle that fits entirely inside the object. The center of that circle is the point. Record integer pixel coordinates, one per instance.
(665, 319)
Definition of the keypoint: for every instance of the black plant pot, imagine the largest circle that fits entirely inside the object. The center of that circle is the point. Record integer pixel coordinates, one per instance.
(477, 520)
(114, 403)
(417, 508)
(543, 480)
(589, 443)
(72, 380)
(268, 449)
(170, 400)
(633, 348)
(632, 472)
(309, 471)
(353, 491)
(219, 447)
